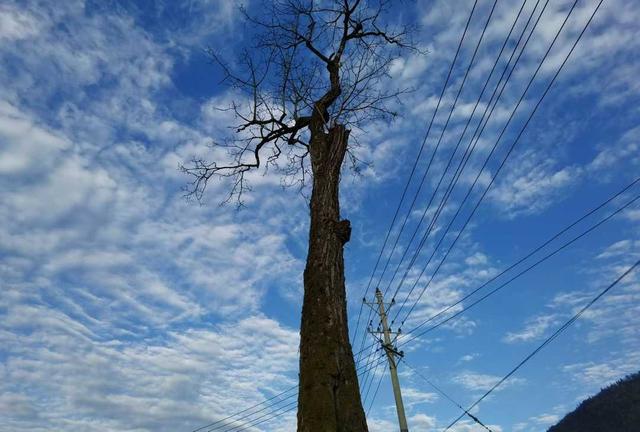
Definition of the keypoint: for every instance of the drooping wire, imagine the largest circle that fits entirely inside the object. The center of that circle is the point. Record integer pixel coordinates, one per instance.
(269, 417)
(450, 113)
(373, 377)
(283, 410)
(468, 152)
(216, 425)
(550, 339)
(245, 410)
(366, 376)
(517, 139)
(446, 396)
(384, 371)
(466, 411)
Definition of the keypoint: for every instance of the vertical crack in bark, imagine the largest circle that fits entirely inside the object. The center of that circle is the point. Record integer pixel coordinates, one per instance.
(336, 386)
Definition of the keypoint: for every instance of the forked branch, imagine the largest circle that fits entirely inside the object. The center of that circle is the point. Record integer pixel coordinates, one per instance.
(314, 65)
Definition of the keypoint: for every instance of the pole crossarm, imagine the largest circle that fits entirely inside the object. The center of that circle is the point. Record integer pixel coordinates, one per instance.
(392, 352)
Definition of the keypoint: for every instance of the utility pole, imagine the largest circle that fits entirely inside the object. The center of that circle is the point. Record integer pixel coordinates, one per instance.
(392, 353)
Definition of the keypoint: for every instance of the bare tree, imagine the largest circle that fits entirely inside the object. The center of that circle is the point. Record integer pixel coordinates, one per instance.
(314, 73)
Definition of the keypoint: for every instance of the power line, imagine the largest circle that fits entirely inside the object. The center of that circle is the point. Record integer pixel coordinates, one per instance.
(415, 164)
(228, 426)
(544, 258)
(275, 414)
(449, 398)
(533, 252)
(468, 152)
(433, 194)
(373, 377)
(216, 425)
(269, 416)
(550, 338)
(527, 269)
(510, 149)
(245, 410)
(363, 382)
(590, 229)
(374, 348)
(444, 87)
(444, 129)
(371, 357)
(479, 128)
(458, 170)
(376, 392)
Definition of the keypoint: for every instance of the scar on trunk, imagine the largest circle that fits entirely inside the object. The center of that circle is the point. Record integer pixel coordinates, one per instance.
(343, 230)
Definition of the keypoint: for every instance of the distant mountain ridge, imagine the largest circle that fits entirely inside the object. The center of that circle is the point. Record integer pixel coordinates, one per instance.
(615, 409)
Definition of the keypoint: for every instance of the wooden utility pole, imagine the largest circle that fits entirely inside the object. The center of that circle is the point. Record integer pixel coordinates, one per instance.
(392, 354)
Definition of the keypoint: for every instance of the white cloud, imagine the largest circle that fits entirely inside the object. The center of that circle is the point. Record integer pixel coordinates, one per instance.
(16, 24)
(476, 259)
(406, 69)
(381, 425)
(413, 396)
(110, 281)
(471, 426)
(481, 382)
(466, 269)
(546, 419)
(597, 375)
(620, 249)
(468, 357)
(615, 316)
(27, 147)
(534, 329)
(633, 215)
(109, 278)
(422, 422)
(627, 149)
(186, 380)
(532, 185)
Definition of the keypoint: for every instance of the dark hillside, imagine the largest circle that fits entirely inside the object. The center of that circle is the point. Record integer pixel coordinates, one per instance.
(614, 409)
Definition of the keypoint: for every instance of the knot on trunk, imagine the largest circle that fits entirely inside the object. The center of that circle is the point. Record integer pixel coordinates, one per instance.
(343, 230)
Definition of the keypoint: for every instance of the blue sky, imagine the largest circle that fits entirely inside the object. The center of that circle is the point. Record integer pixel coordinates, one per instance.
(124, 306)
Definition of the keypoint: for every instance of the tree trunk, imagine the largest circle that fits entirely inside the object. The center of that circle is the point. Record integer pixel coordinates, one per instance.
(329, 398)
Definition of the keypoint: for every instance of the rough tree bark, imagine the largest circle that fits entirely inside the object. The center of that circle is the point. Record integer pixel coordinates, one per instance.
(329, 397)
